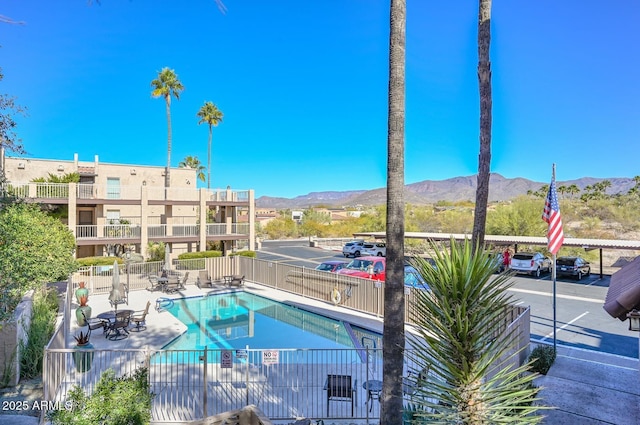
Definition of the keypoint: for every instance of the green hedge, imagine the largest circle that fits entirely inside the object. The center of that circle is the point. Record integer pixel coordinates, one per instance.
(204, 254)
(250, 254)
(98, 261)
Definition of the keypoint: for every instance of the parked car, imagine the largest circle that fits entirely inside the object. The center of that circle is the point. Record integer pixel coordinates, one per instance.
(572, 266)
(353, 248)
(331, 266)
(413, 278)
(367, 267)
(532, 263)
(378, 249)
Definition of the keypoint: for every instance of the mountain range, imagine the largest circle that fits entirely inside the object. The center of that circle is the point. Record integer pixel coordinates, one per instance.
(431, 191)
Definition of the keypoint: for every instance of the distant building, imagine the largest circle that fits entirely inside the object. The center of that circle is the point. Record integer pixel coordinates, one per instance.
(118, 205)
(297, 216)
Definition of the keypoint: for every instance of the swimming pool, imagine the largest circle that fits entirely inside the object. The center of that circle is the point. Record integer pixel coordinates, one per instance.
(240, 319)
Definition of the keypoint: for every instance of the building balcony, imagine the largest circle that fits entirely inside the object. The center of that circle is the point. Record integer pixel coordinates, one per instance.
(107, 193)
(132, 233)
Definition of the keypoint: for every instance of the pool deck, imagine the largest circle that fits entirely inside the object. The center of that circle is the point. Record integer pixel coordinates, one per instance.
(163, 327)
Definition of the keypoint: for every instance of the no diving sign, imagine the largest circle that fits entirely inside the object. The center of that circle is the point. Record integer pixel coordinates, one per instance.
(270, 357)
(226, 360)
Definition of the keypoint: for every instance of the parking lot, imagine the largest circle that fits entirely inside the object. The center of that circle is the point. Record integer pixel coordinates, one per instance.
(581, 321)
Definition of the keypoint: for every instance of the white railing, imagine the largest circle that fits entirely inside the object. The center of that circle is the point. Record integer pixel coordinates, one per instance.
(127, 231)
(95, 191)
(215, 229)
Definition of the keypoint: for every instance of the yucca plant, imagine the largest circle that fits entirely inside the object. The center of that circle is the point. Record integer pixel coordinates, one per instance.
(463, 344)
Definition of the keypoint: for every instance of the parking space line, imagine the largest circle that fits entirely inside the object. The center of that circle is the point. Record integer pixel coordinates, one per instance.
(549, 335)
(566, 297)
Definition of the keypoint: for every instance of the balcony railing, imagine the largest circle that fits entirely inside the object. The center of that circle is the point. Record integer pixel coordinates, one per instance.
(94, 191)
(128, 231)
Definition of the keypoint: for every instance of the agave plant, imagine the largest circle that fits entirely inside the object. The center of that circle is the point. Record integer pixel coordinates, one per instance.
(463, 344)
(82, 338)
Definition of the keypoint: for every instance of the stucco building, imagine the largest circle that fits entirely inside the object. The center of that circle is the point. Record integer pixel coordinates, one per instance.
(116, 206)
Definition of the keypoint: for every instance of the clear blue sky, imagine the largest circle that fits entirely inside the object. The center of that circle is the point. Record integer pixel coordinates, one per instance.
(303, 87)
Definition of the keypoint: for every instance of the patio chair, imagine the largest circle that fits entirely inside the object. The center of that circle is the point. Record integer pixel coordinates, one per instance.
(340, 388)
(155, 285)
(139, 319)
(204, 279)
(95, 323)
(183, 284)
(236, 280)
(119, 328)
(173, 284)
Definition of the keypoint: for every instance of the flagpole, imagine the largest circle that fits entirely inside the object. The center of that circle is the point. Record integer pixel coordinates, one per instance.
(553, 277)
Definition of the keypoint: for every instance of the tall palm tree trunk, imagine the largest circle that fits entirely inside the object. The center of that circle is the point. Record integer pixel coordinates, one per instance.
(209, 157)
(484, 83)
(393, 333)
(167, 177)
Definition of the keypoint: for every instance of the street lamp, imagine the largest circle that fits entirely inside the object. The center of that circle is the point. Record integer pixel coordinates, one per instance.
(634, 320)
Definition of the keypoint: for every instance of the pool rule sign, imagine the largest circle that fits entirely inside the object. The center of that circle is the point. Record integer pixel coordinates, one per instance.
(226, 359)
(270, 357)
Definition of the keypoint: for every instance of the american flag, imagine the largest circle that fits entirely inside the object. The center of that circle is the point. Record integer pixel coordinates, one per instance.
(551, 215)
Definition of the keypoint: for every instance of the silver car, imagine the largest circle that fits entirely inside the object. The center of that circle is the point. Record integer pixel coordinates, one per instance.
(532, 263)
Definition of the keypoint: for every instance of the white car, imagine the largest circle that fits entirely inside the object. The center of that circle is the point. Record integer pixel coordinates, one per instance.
(532, 263)
(377, 249)
(354, 248)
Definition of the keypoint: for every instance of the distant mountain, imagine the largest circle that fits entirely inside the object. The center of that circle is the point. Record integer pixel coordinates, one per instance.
(432, 191)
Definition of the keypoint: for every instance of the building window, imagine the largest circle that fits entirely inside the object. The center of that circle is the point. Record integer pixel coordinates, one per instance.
(113, 188)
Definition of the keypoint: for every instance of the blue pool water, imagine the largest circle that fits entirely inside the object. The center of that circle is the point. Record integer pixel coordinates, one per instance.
(237, 320)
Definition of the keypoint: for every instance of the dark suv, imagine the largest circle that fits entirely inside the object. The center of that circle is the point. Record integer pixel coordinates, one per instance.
(572, 266)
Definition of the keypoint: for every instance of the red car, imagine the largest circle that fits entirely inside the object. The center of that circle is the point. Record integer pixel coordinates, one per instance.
(366, 267)
(331, 266)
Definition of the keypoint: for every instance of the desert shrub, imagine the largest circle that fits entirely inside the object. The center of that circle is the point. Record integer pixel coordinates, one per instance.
(43, 322)
(98, 261)
(124, 400)
(541, 358)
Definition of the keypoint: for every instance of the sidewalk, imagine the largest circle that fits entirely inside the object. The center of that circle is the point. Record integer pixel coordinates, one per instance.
(591, 388)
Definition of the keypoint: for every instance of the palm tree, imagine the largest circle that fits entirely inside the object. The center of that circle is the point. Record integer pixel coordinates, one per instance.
(461, 343)
(573, 190)
(194, 163)
(210, 114)
(166, 85)
(562, 190)
(484, 83)
(393, 328)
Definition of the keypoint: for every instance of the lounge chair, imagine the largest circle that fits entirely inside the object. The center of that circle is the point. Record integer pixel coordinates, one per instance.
(139, 318)
(119, 328)
(340, 388)
(204, 279)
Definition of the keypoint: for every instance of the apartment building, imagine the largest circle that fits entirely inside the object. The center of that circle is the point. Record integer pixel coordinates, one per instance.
(125, 206)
